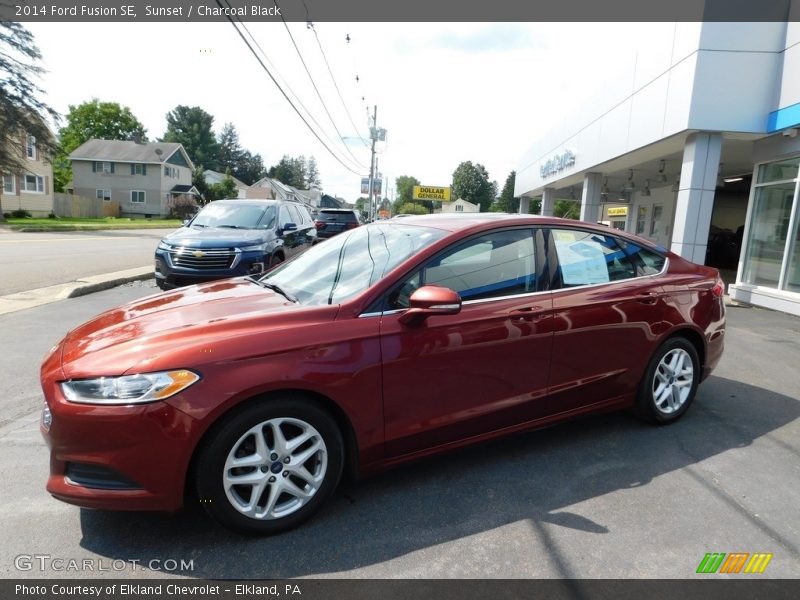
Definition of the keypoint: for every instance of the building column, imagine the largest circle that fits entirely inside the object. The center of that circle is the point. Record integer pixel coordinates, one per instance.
(590, 199)
(524, 205)
(548, 202)
(696, 196)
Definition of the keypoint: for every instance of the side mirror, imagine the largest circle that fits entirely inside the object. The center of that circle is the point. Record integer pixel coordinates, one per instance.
(430, 300)
(289, 227)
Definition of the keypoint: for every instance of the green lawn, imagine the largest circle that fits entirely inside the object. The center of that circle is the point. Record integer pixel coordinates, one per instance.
(70, 224)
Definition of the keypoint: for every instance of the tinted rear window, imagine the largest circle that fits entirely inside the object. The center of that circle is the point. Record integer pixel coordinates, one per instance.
(337, 217)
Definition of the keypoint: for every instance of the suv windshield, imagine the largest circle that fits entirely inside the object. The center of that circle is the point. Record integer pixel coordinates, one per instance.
(349, 263)
(236, 216)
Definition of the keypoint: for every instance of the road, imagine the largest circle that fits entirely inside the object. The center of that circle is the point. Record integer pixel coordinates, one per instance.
(603, 497)
(35, 260)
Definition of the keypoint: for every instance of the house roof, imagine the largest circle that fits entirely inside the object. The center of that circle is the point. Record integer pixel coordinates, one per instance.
(213, 177)
(127, 151)
(184, 189)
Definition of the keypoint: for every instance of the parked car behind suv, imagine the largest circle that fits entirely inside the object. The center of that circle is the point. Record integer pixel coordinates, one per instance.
(230, 238)
(331, 221)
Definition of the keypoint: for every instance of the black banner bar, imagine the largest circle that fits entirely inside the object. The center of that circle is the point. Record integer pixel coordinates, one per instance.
(398, 11)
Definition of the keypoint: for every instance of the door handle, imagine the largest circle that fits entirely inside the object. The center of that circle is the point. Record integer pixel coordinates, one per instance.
(528, 313)
(648, 297)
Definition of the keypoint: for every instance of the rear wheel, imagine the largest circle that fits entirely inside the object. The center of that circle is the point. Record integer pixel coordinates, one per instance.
(275, 260)
(271, 466)
(670, 382)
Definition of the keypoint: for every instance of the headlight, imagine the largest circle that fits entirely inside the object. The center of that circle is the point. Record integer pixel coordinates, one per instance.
(162, 245)
(128, 389)
(256, 248)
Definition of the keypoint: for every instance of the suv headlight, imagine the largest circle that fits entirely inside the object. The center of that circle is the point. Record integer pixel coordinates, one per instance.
(162, 245)
(255, 248)
(128, 389)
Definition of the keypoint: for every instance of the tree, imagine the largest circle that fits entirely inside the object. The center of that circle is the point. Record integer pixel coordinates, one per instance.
(471, 182)
(250, 168)
(411, 208)
(230, 152)
(313, 181)
(21, 112)
(199, 182)
(361, 207)
(93, 119)
(405, 188)
(507, 202)
(192, 127)
(290, 171)
(225, 189)
(567, 209)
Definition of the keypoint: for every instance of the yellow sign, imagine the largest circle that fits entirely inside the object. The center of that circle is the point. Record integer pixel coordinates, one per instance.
(426, 192)
(619, 211)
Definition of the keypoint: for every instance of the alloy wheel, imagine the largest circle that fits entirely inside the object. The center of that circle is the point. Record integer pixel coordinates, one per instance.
(673, 381)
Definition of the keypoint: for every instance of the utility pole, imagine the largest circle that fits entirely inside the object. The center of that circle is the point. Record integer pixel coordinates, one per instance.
(373, 133)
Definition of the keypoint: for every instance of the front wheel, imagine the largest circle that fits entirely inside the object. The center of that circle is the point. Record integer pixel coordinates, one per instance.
(271, 466)
(670, 382)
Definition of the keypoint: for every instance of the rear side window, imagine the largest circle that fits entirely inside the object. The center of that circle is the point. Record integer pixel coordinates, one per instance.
(587, 257)
(295, 215)
(337, 217)
(645, 261)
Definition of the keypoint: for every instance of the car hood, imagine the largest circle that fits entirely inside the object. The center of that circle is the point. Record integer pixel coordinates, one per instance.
(143, 334)
(216, 237)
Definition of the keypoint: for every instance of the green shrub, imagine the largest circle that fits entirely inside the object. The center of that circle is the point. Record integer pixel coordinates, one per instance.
(20, 213)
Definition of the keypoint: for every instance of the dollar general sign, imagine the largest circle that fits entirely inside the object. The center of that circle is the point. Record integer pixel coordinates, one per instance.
(426, 192)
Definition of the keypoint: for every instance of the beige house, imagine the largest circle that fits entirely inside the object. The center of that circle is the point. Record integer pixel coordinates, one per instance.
(459, 206)
(144, 179)
(32, 188)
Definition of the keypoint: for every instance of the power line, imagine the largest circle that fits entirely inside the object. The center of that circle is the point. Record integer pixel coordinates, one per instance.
(325, 58)
(289, 100)
(325, 106)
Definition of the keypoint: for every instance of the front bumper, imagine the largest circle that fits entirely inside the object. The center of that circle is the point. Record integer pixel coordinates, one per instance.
(170, 276)
(117, 457)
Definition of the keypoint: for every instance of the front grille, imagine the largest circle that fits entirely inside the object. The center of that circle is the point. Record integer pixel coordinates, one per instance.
(99, 477)
(199, 258)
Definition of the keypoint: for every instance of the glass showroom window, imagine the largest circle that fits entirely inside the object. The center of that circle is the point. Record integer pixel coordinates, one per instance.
(773, 233)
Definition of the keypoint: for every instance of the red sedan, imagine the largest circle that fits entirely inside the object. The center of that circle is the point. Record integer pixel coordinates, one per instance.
(390, 342)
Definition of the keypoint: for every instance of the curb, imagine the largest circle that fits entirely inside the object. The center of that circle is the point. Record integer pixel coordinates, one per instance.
(73, 289)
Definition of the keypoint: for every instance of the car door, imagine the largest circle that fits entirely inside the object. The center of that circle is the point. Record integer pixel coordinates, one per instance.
(290, 238)
(607, 314)
(483, 369)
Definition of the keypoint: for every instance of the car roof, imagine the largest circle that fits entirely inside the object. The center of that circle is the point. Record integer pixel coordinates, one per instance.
(257, 202)
(455, 222)
(341, 210)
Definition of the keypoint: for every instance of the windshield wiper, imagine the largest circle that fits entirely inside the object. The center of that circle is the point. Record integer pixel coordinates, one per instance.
(232, 226)
(275, 288)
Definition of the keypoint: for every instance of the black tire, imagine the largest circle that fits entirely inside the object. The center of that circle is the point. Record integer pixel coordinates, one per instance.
(233, 439)
(275, 260)
(658, 404)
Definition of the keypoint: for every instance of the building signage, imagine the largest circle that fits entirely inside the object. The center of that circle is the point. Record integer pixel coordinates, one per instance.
(557, 164)
(426, 192)
(618, 211)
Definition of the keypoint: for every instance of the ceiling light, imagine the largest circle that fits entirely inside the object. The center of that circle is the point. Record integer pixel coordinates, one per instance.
(732, 179)
(646, 190)
(630, 184)
(662, 177)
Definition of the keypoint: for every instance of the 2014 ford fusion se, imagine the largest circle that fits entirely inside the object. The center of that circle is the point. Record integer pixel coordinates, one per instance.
(386, 343)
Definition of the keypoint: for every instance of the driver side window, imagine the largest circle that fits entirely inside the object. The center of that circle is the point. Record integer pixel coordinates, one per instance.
(489, 266)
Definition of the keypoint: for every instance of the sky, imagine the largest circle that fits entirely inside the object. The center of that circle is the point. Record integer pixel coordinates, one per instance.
(445, 92)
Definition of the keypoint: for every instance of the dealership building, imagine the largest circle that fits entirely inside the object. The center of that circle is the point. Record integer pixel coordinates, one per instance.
(700, 154)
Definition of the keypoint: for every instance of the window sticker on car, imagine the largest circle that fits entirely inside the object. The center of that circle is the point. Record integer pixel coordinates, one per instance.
(581, 262)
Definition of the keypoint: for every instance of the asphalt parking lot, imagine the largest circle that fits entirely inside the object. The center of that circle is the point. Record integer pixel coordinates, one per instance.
(602, 497)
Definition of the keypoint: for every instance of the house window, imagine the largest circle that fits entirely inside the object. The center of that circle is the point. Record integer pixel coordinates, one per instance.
(170, 172)
(8, 184)
(138, 196)
(104, 195)
(33, 183)
(137, 169)
(31, 147)
(459, 208)
(103, 167)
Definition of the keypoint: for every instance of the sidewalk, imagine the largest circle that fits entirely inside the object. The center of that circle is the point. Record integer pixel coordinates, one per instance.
(80, 287)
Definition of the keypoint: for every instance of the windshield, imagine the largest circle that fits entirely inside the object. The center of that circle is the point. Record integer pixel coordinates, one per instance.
(236, 216)
(346, 265)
